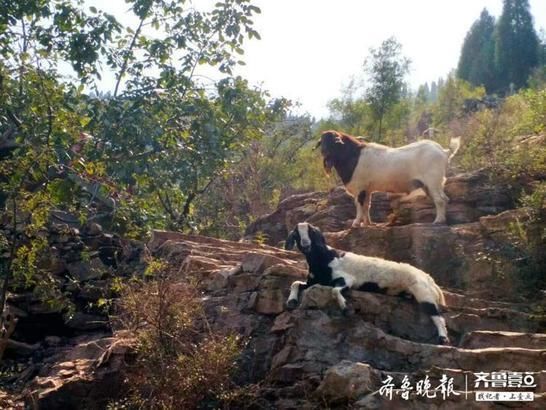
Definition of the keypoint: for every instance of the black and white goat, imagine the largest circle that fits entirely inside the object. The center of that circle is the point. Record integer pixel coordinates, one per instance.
(346, 270)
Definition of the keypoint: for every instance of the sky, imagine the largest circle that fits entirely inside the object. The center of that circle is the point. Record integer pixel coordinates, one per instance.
(310, 49)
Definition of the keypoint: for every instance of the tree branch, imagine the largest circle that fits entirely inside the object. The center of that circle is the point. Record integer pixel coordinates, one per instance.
(128, 51)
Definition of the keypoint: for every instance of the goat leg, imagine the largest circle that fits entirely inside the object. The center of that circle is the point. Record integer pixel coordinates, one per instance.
(295, 289)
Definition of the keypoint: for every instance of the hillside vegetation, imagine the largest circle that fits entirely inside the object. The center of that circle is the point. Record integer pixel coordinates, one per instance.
(88, 173)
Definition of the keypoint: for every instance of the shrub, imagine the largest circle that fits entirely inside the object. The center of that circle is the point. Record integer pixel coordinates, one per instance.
(502, 139)
(450, 104)
(280, 164)
(530, 240)
(181, 362)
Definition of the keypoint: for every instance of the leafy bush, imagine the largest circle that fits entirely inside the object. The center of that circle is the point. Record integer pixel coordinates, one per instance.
(136, 157)
(277, 165)
(530, 239)
(501, 139)
(533, 115)
(451, 99)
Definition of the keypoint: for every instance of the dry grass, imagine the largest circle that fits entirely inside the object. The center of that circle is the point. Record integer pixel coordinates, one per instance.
(181, 363)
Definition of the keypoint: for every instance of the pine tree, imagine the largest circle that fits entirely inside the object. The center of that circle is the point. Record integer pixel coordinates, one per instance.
(423, 94)
(516, 45)
(433, 92)
(477, 61)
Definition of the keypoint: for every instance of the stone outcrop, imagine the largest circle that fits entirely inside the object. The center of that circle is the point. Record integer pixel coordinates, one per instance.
(316, 355)
(313, 356)
(81, 262)
(472, 196)
(83, 374)
(476, 251)
(477, 257)
(53, 346)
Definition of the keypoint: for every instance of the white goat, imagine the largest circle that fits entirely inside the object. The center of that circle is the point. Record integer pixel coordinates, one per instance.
(368, 167)
(345, 270)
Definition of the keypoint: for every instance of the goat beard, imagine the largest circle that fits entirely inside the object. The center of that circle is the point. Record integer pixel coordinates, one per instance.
(327, 166)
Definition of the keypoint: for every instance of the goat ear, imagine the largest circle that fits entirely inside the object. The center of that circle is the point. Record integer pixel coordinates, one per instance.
(290, 241)
(318, 144)
(317, 237)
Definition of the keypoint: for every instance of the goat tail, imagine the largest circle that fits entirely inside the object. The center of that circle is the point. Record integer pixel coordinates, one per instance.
(440, 295)
(454, 145)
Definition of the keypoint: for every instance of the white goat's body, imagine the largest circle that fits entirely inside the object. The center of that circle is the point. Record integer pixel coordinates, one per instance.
(422, 164)
(394, 277)
(382, 168)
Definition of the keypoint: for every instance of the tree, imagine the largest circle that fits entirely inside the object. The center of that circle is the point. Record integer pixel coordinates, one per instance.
(349, 112)
(280, 164)
(537, 79)
(423, 94)
(451, 97)
(433, 92)
(386, 69)
(542, 47)
(477, 60)
(150, 147)
(516, 45)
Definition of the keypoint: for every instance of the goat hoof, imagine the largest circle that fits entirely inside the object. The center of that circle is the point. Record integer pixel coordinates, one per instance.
(291, 304)
(347, 311)
(443, 340)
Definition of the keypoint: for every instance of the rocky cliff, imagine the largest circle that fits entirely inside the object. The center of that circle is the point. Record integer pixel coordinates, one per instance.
(476, 251)
(313, 356)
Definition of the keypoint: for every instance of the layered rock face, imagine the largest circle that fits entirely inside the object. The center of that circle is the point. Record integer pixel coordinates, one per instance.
(314, 357)
(471, 195)
(52, 358)
(474, 252)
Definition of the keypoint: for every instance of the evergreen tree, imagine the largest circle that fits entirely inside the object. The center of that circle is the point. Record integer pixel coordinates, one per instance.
(433, 92)
(537, 79)
(542, 48)
(477, 61)
(516, 45)
(423, 94)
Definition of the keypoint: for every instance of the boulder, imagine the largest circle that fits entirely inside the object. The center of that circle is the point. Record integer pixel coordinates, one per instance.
(347, 381)
(84, 271)
(85, 375)
(87, 321)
